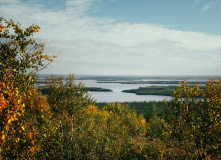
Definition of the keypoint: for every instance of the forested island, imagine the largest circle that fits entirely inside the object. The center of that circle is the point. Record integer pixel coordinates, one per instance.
(98, 89)
(153, 90)
(44, 90)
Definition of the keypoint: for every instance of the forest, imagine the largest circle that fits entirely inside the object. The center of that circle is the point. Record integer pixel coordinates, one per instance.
(67, 123)
(45, 90)
(157, 90)
(153, 90)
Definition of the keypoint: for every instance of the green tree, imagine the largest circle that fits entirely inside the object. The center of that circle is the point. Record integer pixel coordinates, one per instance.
(21, 56)
(82, 131)
(157, 126)
(69, 105)
(194, 120)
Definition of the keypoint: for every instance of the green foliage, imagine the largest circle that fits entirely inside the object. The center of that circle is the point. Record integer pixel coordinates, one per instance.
(98, 89)
(153, 90)
(21, 56)
(84, 131)
(194, 123)
(144, 108)
(66, 95)
(125, 120)
(157, 126)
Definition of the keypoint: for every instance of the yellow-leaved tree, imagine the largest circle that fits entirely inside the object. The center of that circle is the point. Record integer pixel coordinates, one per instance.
(21, 57)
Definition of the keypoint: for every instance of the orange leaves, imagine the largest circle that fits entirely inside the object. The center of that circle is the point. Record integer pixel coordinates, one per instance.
(1, 27)
(20, 115)
(11, 108)
(24, 113)
(13, 118)
(3, 84)
(2, 102)
(15, 43)
(143, 121)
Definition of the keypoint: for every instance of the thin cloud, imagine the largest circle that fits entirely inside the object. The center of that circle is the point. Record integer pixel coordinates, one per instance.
(78, 7)
(208, 6)
(10, 1)
(85, 41)
(73, 23)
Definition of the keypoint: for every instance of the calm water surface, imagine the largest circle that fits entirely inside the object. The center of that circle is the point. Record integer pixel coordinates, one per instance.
(117, 95)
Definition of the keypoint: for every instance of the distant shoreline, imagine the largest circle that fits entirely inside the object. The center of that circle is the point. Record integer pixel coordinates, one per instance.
(136, 77)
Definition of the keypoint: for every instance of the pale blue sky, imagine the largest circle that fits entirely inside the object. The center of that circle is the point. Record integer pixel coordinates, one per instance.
(188, 15)
(129, 37)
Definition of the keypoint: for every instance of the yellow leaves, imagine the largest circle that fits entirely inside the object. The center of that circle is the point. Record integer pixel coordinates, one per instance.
(92, 108)
(143, 121)
(10, 109)
(47, 57)
(36, 29)
(17, 140)
(14, 118)
(3, 137)
(9, 121)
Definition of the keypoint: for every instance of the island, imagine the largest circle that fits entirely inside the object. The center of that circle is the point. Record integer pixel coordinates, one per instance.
(98, 89)
(153, 90)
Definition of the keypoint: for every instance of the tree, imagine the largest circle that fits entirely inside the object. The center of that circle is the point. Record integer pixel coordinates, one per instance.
(194, 120)
(157, 126)
(84, 131)
(21, 57)
(69, 105)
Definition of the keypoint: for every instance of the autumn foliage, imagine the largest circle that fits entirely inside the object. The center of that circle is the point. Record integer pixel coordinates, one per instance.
(66, 124)
(21, 105)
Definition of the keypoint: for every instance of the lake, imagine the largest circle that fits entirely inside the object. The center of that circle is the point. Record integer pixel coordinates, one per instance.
(117, 95)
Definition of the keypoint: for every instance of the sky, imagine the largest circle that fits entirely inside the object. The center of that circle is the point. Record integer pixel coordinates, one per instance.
(125, 37)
